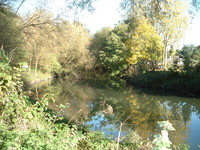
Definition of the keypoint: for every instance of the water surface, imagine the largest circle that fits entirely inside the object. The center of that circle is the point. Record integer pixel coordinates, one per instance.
(139, 111)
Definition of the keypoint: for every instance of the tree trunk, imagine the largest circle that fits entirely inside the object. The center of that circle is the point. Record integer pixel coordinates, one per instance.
(165, 58)
(30, 63)
(36, 66)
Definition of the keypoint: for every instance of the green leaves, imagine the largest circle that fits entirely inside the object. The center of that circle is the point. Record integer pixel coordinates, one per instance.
(166, 125)
(112, 52)
(10, 37)
(190, 56)
(161, 141)
(145, 44)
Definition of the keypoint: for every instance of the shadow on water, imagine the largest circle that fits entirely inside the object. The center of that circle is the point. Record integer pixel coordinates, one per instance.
(87, 100)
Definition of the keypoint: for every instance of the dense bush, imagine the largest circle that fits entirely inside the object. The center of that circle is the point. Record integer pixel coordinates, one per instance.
(181, 82)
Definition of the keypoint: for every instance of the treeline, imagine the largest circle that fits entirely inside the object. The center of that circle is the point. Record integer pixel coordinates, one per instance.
(143, 48)
(51, 44)
(45, 43)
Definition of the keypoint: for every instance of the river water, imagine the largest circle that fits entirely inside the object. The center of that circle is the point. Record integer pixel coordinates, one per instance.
(86, 102)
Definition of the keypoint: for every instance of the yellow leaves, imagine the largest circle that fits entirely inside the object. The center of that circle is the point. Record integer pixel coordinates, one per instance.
(134, 58)
(73, 47)
(145, 42)
(51, 42)
(173, 22)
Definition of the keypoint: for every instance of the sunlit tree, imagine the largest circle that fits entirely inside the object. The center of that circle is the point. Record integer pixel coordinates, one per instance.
(169, 18)
(110, 47)
(73, 47)
(145, 44)
(39, 32)
(10, 35)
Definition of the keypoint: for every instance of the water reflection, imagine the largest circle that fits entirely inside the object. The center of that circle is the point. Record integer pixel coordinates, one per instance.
(85, 101)
(150, 109)
(102, 123)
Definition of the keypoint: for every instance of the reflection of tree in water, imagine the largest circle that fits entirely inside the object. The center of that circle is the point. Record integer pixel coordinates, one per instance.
(180, 116)
(113, 98)
(147, 110)
(108, 92)
(109, 123)
(72, 95)
(77, 97)
(145, 114)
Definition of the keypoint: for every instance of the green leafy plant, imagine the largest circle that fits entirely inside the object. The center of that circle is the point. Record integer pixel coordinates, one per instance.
(161, 141)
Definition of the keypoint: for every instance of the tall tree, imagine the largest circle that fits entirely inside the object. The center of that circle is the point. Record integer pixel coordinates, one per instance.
(39, 32)
(190, 56)
(111, 49)
(53, 45)
(145, 44)
(168, 18)
(10, 35)
(73, 47)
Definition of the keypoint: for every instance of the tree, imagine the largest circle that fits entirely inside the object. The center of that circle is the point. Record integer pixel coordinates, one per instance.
(76, 5)
(173, 26)
(168, 18)
(190, 55)
(145, 44)
(10, 35)
(55, 45)
(98, 42)
(40, 35)
(113, 56)
(73, 47)
(111, 49)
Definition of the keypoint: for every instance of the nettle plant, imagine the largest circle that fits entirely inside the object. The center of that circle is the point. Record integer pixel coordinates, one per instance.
(161, 141)
(10, 92)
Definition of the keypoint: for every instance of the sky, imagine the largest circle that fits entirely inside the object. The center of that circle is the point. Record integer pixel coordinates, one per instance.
(192, 35)
(107, 15)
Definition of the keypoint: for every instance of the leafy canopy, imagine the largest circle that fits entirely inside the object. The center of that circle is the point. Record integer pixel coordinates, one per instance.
(111, 50)
(145, 43)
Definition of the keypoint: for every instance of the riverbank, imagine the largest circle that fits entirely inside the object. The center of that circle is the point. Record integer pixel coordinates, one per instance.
(31, 78)
(186, 84)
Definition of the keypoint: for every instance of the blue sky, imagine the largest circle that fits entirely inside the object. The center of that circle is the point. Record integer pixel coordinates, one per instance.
(107, 15)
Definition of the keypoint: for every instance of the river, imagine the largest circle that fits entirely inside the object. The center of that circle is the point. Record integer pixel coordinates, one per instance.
(86, 102)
